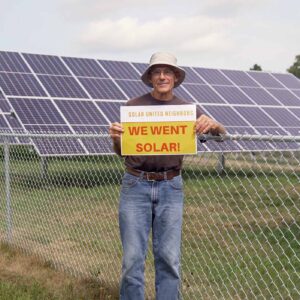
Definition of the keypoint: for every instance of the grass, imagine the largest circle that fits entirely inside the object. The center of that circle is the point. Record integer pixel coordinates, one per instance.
(23, 292)
(26, 277)
(240, 233)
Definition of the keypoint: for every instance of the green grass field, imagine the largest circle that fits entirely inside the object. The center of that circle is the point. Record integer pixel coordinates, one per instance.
(241, 234)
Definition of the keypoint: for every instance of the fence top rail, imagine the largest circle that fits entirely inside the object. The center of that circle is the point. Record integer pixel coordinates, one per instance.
(251, 137)
(207, 137)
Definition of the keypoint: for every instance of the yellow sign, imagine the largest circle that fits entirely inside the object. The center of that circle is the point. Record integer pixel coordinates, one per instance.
(158, 130)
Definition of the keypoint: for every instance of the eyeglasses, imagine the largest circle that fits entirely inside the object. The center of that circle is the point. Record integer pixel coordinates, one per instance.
(166, 71)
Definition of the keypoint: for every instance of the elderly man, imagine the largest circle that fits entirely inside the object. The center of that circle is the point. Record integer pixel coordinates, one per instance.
(152, 193)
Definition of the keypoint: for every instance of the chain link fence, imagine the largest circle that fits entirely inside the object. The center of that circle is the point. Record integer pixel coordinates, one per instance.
(241, 231)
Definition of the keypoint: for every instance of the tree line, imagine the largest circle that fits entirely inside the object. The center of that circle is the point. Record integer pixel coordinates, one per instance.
(293, 69)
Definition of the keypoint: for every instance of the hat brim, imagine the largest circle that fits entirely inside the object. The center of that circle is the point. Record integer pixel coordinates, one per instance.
(145, 76)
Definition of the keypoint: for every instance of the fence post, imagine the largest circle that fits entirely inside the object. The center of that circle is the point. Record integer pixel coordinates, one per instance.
(7, 192)
(221, 164)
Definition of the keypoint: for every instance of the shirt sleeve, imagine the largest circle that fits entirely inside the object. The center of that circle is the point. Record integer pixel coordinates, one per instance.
(199, 111)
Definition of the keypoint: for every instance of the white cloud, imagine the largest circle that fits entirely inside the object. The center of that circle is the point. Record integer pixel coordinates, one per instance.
(95, 9)
(188, 34)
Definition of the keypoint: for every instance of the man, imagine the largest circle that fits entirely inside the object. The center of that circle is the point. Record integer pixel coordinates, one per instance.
(152, 195)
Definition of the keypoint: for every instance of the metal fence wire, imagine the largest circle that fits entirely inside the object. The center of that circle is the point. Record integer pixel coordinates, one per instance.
(241, 231)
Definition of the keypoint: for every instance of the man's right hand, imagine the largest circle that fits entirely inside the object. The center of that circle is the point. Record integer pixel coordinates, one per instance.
(115, 131)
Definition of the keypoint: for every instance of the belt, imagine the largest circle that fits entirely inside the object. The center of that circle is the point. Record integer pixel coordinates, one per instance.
(154, 176)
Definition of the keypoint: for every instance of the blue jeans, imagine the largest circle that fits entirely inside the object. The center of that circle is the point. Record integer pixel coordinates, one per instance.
(145, 205)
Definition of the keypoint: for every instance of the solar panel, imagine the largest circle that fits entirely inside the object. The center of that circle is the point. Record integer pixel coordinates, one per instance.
(252, 145)
(265, 79)
(288, 80)
(240, 78)
(141, 67)
(281, 132)
(255, 116)
(203, 93)
(95, 145)
(102, 89)
(111, 110)
(46, 64)
(282, 116)
(225, 115)
(181, 92)
(3, 124)
(19, 84)
(59, 146)
(62, 86)
(52, 94)
(12, 62)
(296, 92)
(120, 70)
(85, 67)
(36, 111)
(212, 76)
(285, 97)
(296, 112)
(132, 88)
(260, 96)
(81, 112)
(4, 105)
(192, 77)
(233, 95)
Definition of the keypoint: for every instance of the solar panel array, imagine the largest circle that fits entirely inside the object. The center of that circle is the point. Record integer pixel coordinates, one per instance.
(52, 94)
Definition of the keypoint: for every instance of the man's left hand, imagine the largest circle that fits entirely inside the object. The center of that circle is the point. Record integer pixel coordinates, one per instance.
(205, 124)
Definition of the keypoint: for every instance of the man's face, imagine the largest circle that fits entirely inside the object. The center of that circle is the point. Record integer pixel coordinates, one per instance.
(163, 79)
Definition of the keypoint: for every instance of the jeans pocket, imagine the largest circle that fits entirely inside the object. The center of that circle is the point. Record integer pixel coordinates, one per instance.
(129, 180)
(176, 183)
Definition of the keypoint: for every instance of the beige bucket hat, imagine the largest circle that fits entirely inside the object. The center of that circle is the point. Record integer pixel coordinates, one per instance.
(163, 58)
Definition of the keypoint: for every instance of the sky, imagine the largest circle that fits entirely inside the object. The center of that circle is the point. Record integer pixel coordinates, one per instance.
(227, 34)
